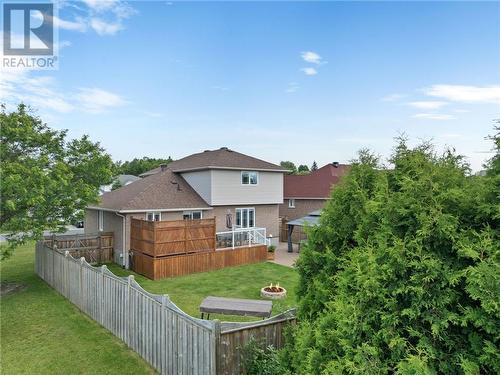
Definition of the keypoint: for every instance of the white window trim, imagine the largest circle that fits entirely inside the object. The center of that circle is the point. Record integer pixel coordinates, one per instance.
(291, 203)
(152, 213)
(248, 216)
(100, 220)
(249, 184)
(190, 213)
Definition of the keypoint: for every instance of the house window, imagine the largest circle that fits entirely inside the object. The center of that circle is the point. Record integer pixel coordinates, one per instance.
(245, 217)
(153, 216)
(100, 220)
(291, 203)
(249, 178)
(192, 215)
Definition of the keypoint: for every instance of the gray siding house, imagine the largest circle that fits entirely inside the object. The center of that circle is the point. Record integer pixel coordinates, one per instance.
(240, 191)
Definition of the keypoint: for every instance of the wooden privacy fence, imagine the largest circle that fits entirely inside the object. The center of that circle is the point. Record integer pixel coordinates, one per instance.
(170, 340)
(162, 249)
(95, 248)
(173, 237)
(158, 268)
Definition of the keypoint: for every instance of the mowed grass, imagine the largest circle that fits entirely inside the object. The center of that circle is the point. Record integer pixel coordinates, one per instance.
(187, 292)
(43, 333)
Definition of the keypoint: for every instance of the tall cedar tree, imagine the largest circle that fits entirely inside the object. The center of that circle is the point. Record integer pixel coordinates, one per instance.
(402, 275)
(47, 180)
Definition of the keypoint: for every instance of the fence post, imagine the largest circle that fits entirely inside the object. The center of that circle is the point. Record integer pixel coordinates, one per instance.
(101, 290)
(82, 259)
(127, 314)
(217, 365)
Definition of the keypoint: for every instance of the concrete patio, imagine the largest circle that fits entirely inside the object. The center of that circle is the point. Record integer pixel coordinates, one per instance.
(283, 257)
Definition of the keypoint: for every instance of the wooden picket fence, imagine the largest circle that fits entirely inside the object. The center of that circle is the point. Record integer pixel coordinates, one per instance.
(172, 341)
(95, 248)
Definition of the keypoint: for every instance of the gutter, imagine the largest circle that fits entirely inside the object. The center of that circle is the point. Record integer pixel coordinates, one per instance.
(124, 242)
(150, 209)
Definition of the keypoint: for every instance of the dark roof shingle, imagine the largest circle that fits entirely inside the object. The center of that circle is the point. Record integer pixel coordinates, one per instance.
(222, 158)
(163, 190)
(317, 184)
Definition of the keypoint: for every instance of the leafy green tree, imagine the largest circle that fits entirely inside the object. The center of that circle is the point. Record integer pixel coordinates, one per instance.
(402, 275)
(116, 184)
(137, 166)
(47, 180)
(314, 166)
(290, 166)
(303, 169)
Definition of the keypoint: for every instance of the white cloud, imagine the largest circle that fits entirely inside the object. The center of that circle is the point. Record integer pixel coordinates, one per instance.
(465, 94)
(434, 116)
(309, 71)
(41, 92)
(154, 114)
(105, 17)
(311, 57)
(101, 5)
(78, 25)
(220, 88)
(102, 27)
(96, 100)
(392, 97)
(428, 104)
(292, 87)
(44, 94)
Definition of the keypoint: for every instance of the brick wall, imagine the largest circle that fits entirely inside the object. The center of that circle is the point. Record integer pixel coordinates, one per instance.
(302, 208)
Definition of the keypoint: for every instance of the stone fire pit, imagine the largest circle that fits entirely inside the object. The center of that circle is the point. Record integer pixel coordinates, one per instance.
(273, 292)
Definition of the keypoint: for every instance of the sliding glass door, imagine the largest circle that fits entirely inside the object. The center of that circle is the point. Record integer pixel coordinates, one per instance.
(245, 217)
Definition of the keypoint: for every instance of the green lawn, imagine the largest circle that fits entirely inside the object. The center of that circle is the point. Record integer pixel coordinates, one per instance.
(43, 333)
(187, 292)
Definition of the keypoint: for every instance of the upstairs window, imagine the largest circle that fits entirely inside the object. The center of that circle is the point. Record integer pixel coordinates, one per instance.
(153, 216)
(192, 215)
(249, 178)
(291, 203)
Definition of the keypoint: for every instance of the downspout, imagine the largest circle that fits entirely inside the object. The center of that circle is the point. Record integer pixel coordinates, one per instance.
(124, 242)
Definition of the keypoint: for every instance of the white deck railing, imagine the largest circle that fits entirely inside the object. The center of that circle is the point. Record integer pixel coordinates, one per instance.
(242, 237)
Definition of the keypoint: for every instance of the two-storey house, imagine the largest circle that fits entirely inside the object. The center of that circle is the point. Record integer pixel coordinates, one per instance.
(240, 191)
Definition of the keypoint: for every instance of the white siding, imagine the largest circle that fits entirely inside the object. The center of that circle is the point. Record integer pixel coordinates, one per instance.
(201, 182)
(228, 190)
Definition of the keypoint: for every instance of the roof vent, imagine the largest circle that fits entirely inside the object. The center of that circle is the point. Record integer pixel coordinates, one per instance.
(224, 149)
(335, 164)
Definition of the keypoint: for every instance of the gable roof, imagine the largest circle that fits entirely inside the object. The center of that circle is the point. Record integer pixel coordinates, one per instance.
(223, 158)
(316, 184)
(162, 191)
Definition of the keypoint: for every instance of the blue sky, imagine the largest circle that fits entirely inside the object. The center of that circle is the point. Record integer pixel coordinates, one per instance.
(280, 81)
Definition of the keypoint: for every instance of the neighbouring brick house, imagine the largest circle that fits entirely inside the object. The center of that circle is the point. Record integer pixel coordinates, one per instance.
(240, 191)
(304, 194)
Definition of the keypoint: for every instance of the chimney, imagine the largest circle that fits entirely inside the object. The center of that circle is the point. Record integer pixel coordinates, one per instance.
(163, 167)
(335, 164)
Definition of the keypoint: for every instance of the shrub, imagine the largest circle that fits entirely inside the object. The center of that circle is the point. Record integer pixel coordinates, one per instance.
(259, 361)
(402, 274)
(271, 248)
